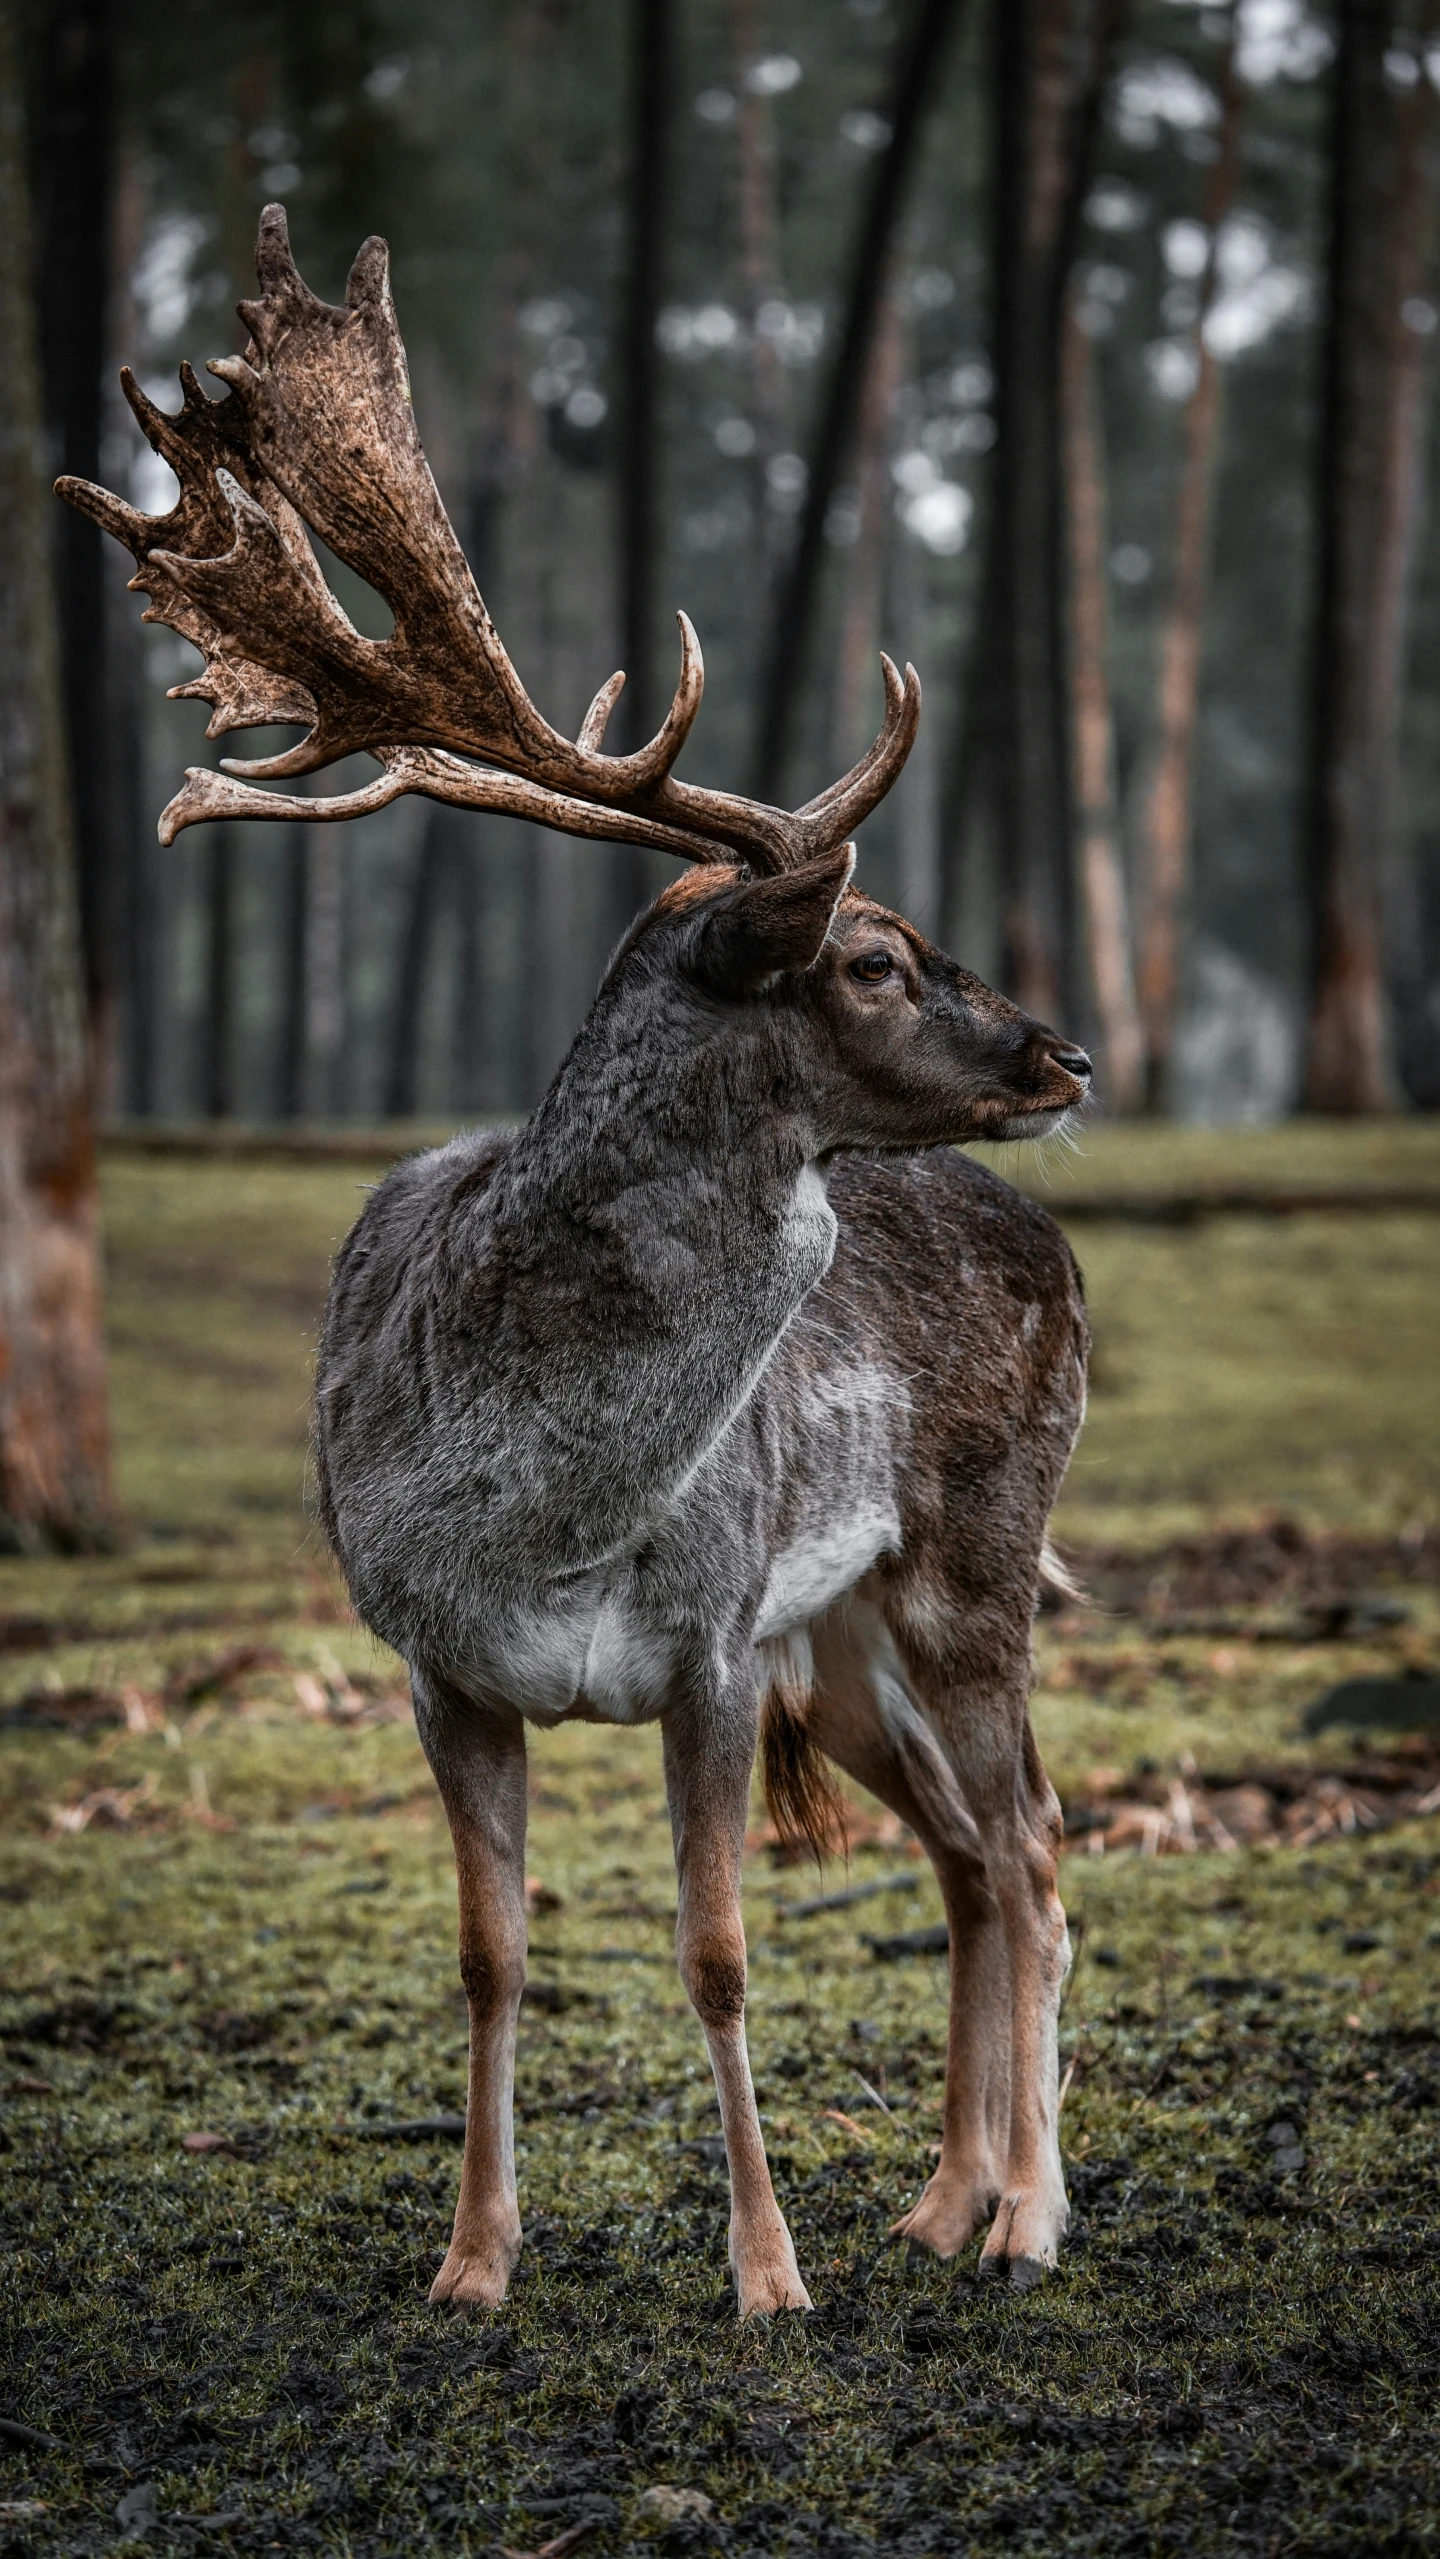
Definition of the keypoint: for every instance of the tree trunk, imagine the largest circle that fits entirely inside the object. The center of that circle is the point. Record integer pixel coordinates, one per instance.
(917, 78)
(1366, 516)
(637, 714)
(217, 1093)
(325, 1043)
(1163, 868)
(759, 224)
(1104, 901)
(858, 671)
(402, 1081)
(294, 914)
(1410, 259)
(1029, 769)
(72, 154)
(1010, 784)
(54, 1442)
(469, 865)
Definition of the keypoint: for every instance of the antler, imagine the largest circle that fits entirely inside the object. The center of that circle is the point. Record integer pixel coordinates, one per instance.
(319, 433)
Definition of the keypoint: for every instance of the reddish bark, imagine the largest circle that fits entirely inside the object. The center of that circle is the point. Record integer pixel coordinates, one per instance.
(1368, 488)
(54, 1447)
(1163, 870)
(1104, 902)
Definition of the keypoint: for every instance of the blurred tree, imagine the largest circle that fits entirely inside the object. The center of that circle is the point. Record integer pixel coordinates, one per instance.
(915, 88)
(1103, 893)
(422, 917)
(1163, 849)
(54, 1451)
(1013, 766)
(1383, 125)
(760, 278)
(641, 526)
(72, 158)
(290, 1044)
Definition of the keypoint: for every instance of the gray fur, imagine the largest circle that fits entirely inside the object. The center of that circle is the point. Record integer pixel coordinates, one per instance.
(605, 1405)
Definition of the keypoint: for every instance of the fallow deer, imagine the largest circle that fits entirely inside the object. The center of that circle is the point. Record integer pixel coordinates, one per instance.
(726, 1393)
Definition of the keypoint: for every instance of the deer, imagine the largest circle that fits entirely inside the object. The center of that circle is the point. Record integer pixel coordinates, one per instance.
(727, 1393)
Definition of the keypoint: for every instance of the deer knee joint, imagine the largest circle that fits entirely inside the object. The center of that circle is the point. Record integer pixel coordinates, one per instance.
(713, 1972)
(494, 1977)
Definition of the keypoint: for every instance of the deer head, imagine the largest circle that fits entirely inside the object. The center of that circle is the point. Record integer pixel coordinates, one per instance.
(319, 436)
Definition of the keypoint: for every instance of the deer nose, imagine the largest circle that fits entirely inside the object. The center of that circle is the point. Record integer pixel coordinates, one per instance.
(1074, 1061)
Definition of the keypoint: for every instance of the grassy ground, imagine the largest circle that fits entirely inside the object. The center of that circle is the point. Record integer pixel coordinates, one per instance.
(226, 1908)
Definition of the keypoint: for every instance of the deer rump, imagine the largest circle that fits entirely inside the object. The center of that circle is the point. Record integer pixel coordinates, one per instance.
(876, 1501)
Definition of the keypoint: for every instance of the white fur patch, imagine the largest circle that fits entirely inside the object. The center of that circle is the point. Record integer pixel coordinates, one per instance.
(818, 1569)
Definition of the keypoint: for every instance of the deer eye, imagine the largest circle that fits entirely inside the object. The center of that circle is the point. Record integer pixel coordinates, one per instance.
(872, 966)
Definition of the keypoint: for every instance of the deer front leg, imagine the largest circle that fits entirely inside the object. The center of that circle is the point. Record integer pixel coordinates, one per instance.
(708, 1759)
(479, 1762)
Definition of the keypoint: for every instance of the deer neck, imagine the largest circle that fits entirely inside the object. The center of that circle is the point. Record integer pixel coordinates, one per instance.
(654, 1230)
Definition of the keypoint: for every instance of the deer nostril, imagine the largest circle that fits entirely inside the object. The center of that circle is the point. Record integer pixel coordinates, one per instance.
(1074, 1061)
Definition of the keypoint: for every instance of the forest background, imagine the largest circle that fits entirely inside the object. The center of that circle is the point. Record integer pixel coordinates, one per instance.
(1079, 352)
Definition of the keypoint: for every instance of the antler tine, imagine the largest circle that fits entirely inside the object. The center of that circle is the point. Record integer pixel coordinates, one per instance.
(651, 764)
(827, 820)
(592, 727)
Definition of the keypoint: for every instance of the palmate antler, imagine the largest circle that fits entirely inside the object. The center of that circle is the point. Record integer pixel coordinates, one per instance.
(320, 432)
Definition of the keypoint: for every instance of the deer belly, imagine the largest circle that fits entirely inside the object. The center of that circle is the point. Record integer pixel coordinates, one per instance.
(595, 1658)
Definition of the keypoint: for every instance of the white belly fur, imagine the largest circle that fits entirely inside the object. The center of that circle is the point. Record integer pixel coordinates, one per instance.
(588, 1653)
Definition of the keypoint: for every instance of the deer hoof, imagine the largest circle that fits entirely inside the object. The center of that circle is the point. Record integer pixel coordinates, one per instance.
(476, 2280)
(947, 2216)
(764, 2295)
(1024, 2240)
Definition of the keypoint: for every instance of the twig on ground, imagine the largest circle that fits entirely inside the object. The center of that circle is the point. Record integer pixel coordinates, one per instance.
(819, 1902)
(556, 2549)
(34, 2439)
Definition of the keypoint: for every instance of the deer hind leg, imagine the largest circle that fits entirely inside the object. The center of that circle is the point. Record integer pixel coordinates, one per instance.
(479, 1763)
(863, 1715)
(1005, 1990)
(708, 1760)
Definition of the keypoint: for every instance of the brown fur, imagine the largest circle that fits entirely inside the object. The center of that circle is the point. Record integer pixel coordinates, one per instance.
(801, 1796)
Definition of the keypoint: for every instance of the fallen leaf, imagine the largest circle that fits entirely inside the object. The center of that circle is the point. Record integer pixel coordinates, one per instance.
(205, 2141)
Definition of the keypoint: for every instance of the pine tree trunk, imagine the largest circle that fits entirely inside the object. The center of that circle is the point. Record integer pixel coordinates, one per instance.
(217, 1094)
(1348, 1065)
(402, 1081)
(1104, 900)
(325, 990)
(72, 156)
(1164, 851)
(785, 665)
(857, 675)
(54, 1444)
(637, 714)
(759, 227)
(1410, 260)
(1028, 744)
(294, 915)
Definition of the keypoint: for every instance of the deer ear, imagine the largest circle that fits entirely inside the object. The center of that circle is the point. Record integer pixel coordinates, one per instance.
(771, 927)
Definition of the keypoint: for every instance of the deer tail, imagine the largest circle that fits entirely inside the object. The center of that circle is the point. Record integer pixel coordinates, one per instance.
(801, 1796)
